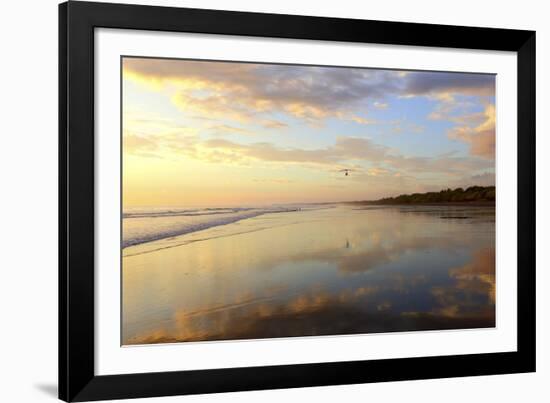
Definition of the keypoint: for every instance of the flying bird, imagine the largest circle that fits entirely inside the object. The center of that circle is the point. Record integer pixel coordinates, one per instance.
(347, 171)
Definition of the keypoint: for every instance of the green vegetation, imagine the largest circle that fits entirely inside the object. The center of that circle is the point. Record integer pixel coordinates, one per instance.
(483, 194)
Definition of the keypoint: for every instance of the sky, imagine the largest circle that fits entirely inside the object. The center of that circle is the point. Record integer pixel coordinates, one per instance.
(208, 133)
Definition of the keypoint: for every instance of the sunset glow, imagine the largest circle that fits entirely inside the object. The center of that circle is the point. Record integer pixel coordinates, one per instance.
(219, 133)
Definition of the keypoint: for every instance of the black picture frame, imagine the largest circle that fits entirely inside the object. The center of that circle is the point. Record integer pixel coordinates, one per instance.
(77, 378)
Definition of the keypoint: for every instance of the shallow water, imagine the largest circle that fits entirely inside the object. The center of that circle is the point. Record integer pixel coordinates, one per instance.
(338, 270)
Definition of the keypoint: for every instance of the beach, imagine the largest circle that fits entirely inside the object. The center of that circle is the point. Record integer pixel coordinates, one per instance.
(320, 270)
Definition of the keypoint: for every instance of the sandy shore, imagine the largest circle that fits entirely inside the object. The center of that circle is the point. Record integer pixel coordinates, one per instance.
(331, 271)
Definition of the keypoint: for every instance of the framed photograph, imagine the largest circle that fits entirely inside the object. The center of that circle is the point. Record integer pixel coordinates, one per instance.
(258, 201)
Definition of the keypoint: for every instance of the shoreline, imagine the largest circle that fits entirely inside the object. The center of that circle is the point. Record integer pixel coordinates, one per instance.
(197, 228)
(125, 245)
(481, 203)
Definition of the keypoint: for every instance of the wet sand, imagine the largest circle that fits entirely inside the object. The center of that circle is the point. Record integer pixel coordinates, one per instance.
(339, 270)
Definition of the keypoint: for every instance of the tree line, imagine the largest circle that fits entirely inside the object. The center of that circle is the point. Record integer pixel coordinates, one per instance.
(458, 195)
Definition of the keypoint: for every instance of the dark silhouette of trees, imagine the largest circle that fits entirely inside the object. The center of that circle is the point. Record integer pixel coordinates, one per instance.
(458, 195)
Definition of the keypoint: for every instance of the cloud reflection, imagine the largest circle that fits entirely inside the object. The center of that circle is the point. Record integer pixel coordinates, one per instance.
(472, 293)
(382, 271)
(365, 309)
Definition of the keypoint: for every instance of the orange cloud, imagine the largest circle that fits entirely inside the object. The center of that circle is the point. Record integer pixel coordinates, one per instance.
(481, 137)
(474, 279)
(139, 145)
(240, 91)
(478, 275)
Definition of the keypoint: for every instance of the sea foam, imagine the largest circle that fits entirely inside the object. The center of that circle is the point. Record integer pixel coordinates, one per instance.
(147, 225)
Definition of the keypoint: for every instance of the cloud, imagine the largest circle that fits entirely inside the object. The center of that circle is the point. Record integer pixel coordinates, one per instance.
(249, 98)
(227, 129)
(249, 92)
(361, 120)
(345, 152)
(215, 105)
(139, 145)
(484, 179)
(241, 91)
(457, 111)
(273, 124)
(480, 137)
(344, 149)
(155, 145)
(381, 105)
(372, 164)
(445, 85)
(282, 181)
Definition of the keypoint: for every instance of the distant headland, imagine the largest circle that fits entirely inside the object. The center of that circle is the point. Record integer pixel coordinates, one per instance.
(473, 195)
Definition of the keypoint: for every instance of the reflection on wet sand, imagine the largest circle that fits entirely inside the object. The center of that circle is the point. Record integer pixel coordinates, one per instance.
(324, 272)
(471, 295)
